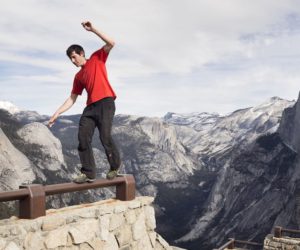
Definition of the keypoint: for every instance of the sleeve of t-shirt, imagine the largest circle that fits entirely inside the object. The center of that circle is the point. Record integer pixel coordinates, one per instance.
(101, 54)
(77, 87)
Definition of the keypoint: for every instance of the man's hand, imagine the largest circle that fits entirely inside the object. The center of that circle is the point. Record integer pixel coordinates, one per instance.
(87, 25)
(67, 104)
(109, 42)
(52, 120)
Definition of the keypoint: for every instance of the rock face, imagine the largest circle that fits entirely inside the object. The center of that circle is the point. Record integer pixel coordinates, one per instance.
(15, 167)
(44, 149)
(251, 166)
(105, 225)
(252, 193)
(289, 127)
(216, 134)
(212, 176)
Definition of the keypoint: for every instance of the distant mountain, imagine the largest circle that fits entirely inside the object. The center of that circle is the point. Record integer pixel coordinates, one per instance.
(212, 175)
(10, 107)
(197, 121)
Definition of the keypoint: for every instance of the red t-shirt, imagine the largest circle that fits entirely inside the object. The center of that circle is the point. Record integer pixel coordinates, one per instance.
(93, 78)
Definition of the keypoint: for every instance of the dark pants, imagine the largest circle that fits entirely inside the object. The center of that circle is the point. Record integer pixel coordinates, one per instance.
(99, 114)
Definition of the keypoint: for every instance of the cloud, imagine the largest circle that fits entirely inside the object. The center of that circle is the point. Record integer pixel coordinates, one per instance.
(205, 55)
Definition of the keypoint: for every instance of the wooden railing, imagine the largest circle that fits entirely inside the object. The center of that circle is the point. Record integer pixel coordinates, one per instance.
(32, 198)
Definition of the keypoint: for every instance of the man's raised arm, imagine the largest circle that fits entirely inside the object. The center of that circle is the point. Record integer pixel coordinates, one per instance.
(109, 43)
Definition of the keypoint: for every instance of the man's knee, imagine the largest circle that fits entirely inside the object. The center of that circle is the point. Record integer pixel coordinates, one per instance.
(84, 141)
(106, 140)
(82, 146)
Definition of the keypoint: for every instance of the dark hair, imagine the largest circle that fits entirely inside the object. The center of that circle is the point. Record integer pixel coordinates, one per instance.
(75, 47)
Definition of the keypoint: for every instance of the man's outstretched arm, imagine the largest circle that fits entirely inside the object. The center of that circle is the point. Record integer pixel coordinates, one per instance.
(109, 43)
(67, 104)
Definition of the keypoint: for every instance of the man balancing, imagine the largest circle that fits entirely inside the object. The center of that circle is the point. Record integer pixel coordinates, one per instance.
(100, 108)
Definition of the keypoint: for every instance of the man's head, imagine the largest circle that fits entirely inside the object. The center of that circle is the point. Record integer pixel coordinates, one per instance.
(76, 54)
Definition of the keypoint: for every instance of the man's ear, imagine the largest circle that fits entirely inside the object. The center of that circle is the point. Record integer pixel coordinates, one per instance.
(82, 53)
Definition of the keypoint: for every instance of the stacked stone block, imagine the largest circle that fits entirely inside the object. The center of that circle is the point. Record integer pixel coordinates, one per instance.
(104, 225)
(284, 243)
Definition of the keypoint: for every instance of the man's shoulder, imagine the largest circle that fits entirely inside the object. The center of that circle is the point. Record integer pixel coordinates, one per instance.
(78, 75)
(100, 53)
(78, 72)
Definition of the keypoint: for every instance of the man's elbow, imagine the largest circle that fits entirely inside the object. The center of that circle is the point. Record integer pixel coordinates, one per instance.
(112, 44)
(108, 46)
(73, 98)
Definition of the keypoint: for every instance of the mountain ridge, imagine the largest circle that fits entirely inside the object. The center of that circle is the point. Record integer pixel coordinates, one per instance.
(188, 162)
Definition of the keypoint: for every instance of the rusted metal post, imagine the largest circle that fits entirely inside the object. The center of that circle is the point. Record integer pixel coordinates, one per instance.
(33, 205)
(125, 191)
(278, 232)
(231, 244)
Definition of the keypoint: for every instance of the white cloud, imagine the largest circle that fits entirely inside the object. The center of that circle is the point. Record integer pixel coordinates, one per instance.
(180, 56)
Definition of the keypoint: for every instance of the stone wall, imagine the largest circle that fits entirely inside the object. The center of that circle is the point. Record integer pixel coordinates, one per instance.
(107, 225)
(286, 243)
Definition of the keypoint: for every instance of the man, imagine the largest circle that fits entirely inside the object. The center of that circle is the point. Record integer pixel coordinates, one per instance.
(100, 108)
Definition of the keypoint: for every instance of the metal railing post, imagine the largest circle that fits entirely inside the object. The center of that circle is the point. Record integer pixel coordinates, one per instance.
(278, 232)
(126, 190)
(34, 205)
(231, 245)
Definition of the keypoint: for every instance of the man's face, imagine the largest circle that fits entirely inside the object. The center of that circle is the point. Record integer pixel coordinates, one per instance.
(77, 60)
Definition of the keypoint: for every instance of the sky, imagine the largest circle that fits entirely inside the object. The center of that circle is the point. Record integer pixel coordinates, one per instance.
(170, 55)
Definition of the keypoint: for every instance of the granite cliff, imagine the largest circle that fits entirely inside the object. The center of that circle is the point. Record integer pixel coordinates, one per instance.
(213, 176)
